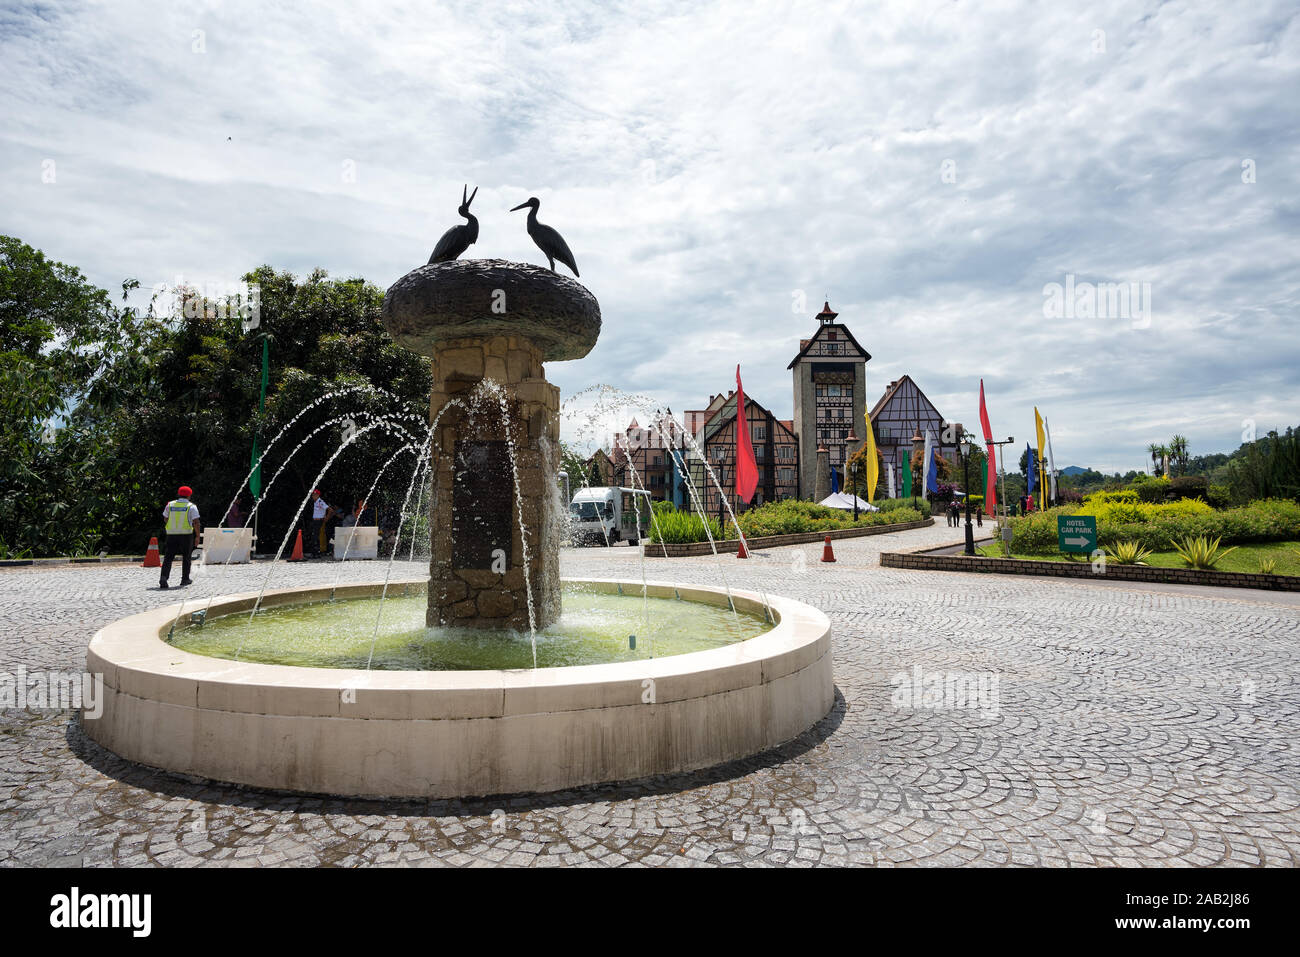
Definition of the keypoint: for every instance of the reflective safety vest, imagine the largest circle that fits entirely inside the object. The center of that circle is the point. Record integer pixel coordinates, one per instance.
(178, 517)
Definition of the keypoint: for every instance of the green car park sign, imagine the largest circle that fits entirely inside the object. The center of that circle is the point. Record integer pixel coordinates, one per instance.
(1077, 533)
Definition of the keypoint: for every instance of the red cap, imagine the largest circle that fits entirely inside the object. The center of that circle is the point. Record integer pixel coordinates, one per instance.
(185, 491)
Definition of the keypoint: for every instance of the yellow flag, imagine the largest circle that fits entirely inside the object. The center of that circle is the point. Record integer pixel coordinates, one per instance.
(873, 463)
(1042, 473)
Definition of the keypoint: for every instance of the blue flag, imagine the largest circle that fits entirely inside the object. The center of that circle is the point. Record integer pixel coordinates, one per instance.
(1032, 466)
(931, 468)
(835, 480)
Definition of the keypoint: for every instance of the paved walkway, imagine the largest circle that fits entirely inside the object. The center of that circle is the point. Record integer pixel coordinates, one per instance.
(1143, 725)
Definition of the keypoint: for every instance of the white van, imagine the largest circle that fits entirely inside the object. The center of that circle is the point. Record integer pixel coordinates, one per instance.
(607, 515)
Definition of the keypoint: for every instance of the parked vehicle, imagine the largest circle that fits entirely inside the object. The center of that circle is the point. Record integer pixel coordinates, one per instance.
(606, 515)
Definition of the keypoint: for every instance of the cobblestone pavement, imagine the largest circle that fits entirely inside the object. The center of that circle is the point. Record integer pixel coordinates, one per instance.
(1132, 725)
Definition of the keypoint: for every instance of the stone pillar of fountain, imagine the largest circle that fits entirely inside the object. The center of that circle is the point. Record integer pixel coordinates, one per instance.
(497, 321)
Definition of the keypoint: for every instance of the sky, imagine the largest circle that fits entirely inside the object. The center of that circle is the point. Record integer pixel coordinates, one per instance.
(720, 170)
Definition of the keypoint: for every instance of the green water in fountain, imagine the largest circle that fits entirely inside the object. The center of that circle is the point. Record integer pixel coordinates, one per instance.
(593, 629)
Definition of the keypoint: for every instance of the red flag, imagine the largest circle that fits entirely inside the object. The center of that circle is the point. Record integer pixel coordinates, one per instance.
(746, 467)
(991, 483)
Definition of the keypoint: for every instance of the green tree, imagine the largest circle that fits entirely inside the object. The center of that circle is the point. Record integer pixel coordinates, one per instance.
(1267, 468)
(856, 474)
(1177, 449)
(149, 402)
(328, 350)
(70, 362)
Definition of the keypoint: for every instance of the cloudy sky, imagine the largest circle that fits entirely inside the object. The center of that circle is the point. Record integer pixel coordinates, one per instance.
(719, 170)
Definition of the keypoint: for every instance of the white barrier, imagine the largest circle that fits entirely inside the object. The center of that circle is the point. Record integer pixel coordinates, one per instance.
(222, 545)
(364, 541)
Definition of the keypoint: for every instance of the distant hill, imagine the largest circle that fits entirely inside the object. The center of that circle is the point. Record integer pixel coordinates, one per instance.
(1074, 470)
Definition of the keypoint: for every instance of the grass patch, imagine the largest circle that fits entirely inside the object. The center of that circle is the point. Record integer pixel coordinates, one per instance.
(1246, 558)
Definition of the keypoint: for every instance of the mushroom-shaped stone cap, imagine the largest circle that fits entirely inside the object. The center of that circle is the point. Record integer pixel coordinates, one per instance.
(481, 298)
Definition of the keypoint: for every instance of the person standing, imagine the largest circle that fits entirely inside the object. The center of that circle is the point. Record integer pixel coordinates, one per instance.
(235, 516)
(320, 515)
(182, 518)
(365, 516)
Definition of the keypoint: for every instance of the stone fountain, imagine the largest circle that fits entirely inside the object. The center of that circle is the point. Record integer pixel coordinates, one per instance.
(487, 326)
(488, 319)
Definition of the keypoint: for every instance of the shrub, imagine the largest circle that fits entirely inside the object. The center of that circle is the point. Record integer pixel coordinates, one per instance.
(1266, 565)
(1112, 495)
(1200, 552)
(680, 528)
(1152, 490)
(792, 515)
(1218, 496)
(1159, 527)
(944, 492)
(1127, 553)
(1188, 486)
(889, 504)
(1035, 533)
(1116, 512)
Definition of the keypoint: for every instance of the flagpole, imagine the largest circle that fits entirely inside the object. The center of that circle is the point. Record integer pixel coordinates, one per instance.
(257, 438)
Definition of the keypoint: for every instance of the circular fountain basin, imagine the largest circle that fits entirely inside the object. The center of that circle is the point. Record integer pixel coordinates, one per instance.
(390, 634)
(456, 733)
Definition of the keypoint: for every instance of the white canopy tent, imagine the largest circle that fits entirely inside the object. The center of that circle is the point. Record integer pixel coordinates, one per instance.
(845, 500)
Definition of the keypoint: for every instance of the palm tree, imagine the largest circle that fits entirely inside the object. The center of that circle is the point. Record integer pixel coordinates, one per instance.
(1155, 451)
(1178, 452)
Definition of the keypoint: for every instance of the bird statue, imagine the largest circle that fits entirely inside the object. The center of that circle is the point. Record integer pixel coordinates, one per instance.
(459, 238)
(548, 240)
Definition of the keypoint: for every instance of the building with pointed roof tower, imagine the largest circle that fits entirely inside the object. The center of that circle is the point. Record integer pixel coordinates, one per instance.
(902, 413)
(776, 453)
(830, 383)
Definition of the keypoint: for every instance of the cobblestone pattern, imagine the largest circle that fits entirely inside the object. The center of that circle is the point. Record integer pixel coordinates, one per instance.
(1140, 726)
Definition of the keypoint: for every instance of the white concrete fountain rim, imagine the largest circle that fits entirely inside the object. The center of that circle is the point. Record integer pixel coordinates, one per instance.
(135, 660)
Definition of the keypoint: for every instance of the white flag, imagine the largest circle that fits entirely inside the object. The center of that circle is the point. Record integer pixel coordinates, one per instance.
(890, 467)
(1051, 461)
(927, 463)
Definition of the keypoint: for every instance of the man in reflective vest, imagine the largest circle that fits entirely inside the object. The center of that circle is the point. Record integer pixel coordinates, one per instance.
(182, 518)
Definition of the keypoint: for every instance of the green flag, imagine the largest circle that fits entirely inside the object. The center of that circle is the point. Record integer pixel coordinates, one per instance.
(907, 476)
(255, 482)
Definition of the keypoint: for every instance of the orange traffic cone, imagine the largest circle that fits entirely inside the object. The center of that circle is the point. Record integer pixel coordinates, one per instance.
(297, 548)
(151, 557)
(828, 553)
(741, 550)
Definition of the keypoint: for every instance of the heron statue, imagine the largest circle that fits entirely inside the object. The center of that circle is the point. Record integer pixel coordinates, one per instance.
(548, 240)
(459, 238)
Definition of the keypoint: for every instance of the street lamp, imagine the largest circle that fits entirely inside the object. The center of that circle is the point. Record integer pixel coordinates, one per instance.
(1002, 470)
(965, 474)
(918, 448)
